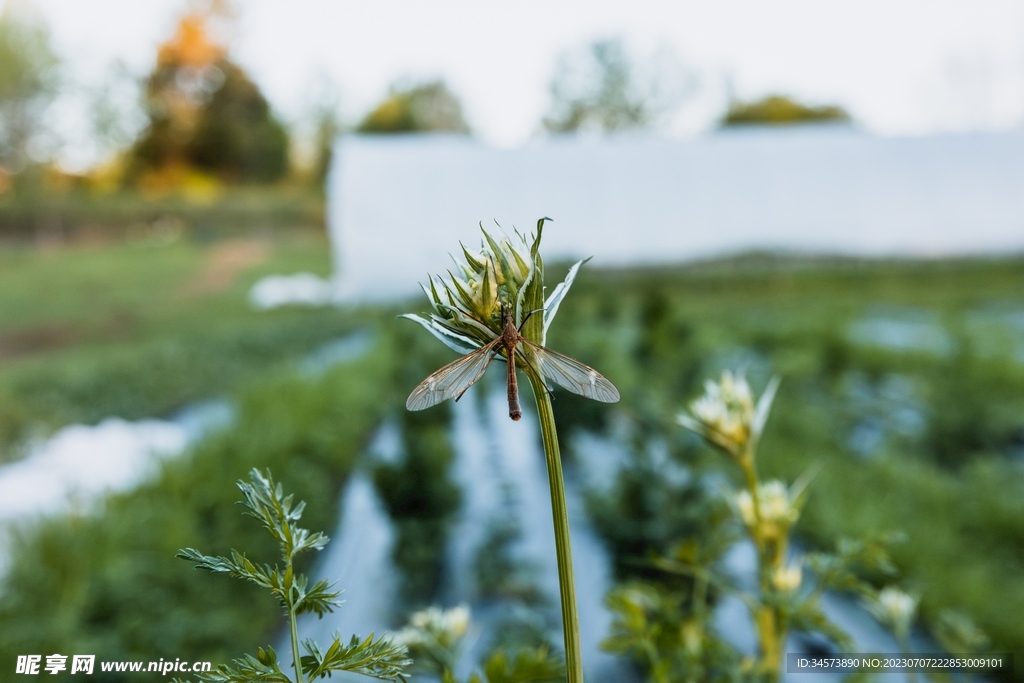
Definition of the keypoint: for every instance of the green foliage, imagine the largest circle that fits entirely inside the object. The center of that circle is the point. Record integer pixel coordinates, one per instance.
(602, 89)
(669, 630)
(795, 316)
(958, 633)
(434, 637)
(845, 569)
(238, 138)
(235, 137)
(974, 410)
(775, 110)
(659, 628)
(526, 666)
(206, 113)
(265, 501)
(647, 511)
(103, 584)
(28, 83)
(499, 572)
(425, 107)
(125, 331)
(78, 215)
(421, 499)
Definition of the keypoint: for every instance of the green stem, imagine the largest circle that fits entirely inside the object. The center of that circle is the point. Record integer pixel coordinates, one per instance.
(293, 622)
(746, 462)
(566, 581)
(767, 618)
(295, 646)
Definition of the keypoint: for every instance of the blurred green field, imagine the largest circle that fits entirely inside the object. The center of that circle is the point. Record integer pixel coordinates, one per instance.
(904, 380)
(138, 329)
(952, 479)
(207, 211)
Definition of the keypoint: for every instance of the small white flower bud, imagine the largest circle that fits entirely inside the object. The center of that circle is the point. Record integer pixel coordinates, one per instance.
(894, 609)
(788, 579)
(777, 507)
(725, 413)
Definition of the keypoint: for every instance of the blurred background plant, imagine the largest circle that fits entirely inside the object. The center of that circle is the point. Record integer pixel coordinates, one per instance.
(435, 636)
(421, 499)
(29, 80)
(775, 110)
(416, 107)
(671, 630)
(205, 115)
(601, 88)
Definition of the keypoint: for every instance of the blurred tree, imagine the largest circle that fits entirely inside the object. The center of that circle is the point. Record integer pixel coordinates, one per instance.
(205, 113)
(237, 136)
(423, 107)
(28, 83)
(780, 110)
(600, 88)
(314, 133)
(328, 126)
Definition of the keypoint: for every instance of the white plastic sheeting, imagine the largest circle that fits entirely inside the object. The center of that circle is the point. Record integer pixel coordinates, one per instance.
(80, 463)
(281, 290)
(398, 205)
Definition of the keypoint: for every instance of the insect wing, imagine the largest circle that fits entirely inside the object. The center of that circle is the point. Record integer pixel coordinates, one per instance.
(573, 375)
(452, 380)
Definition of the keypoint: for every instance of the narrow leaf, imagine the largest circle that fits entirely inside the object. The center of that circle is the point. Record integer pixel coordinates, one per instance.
(449, 339)
(557, 294)
(764, 406)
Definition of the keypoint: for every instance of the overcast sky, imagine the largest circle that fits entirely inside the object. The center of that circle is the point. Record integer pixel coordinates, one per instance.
(899, 66)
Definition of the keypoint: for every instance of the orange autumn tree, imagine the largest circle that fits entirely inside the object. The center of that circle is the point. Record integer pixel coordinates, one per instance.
(205, 114)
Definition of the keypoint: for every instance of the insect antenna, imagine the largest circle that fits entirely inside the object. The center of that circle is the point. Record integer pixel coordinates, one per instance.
(536, 310)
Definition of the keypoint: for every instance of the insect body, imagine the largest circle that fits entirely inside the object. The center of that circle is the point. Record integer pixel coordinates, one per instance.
(454, 379)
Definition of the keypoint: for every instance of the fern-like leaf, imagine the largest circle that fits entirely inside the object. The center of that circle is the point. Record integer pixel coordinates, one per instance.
(375, 657)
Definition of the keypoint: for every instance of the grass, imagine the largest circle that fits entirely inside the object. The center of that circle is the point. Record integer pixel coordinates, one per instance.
(139, 329)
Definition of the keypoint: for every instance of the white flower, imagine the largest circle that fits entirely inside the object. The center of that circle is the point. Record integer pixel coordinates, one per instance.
(435, 625)
(726, 414)
(894, 609)
(779, 508)
(788, 579)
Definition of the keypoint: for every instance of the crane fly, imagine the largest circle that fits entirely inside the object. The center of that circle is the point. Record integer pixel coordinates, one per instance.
(454, 379)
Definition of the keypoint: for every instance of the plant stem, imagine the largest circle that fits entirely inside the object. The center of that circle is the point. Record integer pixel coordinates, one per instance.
(766, 618)
(746, 462)
(295, 645)
(292, 621)
(566, 580)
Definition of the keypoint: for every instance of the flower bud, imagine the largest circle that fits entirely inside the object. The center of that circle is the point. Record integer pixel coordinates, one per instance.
(434, 625)
(726, 415)
(779, 509)
(894, 609)
(506, 273)
(787, 579)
